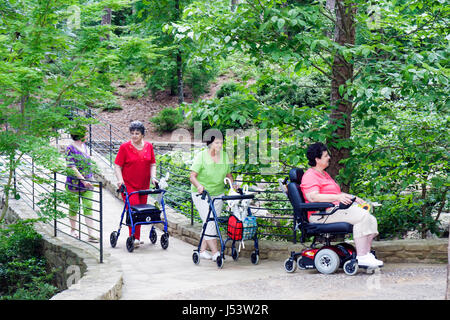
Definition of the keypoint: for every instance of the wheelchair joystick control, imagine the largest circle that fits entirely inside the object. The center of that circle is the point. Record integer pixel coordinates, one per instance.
(346, 206)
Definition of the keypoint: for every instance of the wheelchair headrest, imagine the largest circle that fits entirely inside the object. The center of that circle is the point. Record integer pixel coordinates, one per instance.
(295, 175)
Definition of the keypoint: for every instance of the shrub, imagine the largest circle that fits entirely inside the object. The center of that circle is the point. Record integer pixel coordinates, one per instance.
(167, 119)
(228, 88)
(23, 274)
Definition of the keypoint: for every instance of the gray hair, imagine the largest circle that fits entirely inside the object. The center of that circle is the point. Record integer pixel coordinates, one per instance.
(137, 126)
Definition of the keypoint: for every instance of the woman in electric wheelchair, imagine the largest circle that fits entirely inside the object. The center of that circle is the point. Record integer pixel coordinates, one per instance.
(318, 186)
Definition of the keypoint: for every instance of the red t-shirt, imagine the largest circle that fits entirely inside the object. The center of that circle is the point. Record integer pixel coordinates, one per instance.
(136, 165)
(313, 180)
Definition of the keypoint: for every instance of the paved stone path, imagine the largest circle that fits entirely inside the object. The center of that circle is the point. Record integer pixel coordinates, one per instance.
(153, 273)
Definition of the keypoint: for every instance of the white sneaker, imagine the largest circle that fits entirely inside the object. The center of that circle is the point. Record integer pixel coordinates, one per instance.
(369, 261)
(380, 263)
(136, 243)
(205, 255)
(215, 256)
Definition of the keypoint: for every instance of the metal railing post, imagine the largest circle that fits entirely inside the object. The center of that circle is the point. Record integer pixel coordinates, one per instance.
(32, 179)
(110, 146)
(80, 203)
(54, 194)
(101, 220)
(192, 212)
(90, 133)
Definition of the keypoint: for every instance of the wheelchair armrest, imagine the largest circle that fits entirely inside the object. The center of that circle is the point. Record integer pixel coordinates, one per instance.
(316, 206)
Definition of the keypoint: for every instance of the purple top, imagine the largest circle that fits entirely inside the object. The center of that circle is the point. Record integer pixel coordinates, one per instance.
(82, 161)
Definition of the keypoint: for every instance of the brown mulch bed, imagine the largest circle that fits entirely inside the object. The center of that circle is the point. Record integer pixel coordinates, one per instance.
(144, 107)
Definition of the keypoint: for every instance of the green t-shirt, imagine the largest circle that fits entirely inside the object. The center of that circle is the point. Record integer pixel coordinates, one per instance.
(211, 174)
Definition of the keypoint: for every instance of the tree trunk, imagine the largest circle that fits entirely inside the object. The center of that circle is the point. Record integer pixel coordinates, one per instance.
(341, 73)
(180, 77)
(179, 61)
(234, 4)
(106, 20)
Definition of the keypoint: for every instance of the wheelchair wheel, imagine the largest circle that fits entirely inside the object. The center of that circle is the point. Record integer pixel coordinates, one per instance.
(153, 236)
(130, 244)
(113, 239)
(165, 241)
(350, 267)
(290, 265)
(326, 261)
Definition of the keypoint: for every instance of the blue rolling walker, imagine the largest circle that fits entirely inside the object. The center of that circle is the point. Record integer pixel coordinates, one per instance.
(141, 214)
(212, 216)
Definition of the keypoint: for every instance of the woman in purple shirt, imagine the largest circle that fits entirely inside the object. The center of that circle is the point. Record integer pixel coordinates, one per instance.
(80, 166)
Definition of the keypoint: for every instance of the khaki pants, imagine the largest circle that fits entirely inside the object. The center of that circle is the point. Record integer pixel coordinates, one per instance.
(363, 222)
(203, 209)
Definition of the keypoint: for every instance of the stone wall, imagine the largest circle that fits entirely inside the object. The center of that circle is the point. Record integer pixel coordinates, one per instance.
(78, 271)
(421, 251)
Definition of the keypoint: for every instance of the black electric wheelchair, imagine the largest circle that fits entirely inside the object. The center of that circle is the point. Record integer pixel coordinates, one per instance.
(330, 257)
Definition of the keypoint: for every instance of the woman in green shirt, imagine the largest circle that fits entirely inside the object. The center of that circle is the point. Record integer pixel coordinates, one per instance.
(208, 171)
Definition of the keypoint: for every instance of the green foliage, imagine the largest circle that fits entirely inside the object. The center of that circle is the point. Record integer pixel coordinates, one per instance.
(229, 88)
(398, 92)
(234, 111)
(48, 64)
(281, 88)
(403, 164)
(23, 272)
(168, 119)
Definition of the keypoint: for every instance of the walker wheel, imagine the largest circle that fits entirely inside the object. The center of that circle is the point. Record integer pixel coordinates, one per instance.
(153, 236)
(130, 244)
(350, 267)
(165, 241)
(220, 261)
(196, 257)
(113, 239)
(254, 258)
(234, 254)
(290, 265)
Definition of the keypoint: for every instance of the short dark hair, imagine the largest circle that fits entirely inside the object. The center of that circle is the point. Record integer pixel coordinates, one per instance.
(137, 126)
(77, 133)
(211, 140)
(315, 151)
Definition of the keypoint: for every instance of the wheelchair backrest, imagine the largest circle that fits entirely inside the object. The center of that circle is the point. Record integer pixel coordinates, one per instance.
(295, 194)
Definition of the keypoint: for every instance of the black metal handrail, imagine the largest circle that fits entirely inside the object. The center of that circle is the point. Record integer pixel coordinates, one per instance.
(54, 183)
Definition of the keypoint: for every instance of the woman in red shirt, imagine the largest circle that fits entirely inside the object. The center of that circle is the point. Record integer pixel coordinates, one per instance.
(135, 166)
(318, 186)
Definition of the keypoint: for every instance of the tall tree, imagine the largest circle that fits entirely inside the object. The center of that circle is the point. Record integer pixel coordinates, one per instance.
(342, 73)
(47, 67)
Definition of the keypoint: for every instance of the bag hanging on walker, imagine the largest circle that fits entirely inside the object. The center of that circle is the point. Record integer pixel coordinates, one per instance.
(235, 228)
